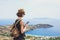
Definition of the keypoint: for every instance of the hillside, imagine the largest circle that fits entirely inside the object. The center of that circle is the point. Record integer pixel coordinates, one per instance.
(6, 29)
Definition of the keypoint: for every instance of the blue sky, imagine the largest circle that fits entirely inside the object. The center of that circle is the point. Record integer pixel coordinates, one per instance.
(33, 8)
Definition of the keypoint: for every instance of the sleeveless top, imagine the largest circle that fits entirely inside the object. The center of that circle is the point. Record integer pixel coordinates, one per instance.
(19, 27)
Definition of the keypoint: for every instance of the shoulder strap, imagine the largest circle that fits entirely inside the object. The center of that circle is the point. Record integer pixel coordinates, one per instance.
(17, 22)
(14, 25)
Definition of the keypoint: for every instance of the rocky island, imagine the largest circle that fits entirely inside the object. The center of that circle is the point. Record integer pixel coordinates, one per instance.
(32, 27)
(43, 25)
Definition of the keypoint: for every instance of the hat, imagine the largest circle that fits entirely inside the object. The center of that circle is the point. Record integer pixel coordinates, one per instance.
(20, 10)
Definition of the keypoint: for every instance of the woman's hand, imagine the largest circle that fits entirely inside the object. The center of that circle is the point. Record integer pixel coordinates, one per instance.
(26, 24)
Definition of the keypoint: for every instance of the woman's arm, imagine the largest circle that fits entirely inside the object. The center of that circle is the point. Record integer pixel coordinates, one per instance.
(22, 27)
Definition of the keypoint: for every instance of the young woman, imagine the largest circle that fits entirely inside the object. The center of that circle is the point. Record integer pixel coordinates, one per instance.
(20, 25)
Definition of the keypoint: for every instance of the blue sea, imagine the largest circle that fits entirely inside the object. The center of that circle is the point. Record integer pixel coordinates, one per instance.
(53, 31)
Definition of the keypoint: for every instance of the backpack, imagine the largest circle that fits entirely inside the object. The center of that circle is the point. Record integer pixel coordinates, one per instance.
(14, 31)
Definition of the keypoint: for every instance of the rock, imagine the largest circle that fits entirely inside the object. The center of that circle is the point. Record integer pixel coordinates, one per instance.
(38, 26)
(43, 25)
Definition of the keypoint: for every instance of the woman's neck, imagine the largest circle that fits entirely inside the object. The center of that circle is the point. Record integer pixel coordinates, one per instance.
(19, 17)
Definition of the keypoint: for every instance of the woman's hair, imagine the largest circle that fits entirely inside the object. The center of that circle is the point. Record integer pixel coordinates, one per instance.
(20, 13)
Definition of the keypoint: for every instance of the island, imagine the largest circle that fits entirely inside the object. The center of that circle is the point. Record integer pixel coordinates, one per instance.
(32, 27)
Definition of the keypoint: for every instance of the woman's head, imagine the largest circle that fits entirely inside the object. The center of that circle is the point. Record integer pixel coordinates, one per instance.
(20, 13)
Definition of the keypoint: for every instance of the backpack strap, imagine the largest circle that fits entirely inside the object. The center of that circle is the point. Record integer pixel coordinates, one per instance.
(17, 22)
(14, 24)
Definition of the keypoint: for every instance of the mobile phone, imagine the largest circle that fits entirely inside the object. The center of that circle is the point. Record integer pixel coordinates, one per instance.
(27, 22)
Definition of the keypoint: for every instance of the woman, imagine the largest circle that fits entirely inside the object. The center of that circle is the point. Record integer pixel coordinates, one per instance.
(20, 25)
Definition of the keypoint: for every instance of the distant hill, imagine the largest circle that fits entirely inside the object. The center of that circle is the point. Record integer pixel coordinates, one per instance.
(33, 21)
(4, 22)
(43, 25)
(51, 21)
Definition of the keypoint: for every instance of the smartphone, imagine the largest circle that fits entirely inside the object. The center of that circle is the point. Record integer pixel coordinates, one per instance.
(27, 23)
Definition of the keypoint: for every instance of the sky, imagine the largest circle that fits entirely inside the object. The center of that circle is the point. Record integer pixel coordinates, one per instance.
(33, 8)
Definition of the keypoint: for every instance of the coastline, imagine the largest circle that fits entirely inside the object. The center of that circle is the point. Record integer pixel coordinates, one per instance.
(28, 36)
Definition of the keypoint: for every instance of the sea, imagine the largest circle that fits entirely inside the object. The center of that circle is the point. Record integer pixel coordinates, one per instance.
(52, 31)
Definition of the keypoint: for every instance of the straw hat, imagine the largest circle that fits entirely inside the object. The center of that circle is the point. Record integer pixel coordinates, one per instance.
(21, 10)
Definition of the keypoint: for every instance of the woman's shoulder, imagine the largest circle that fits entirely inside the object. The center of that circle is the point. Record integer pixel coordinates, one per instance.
(18, 19)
